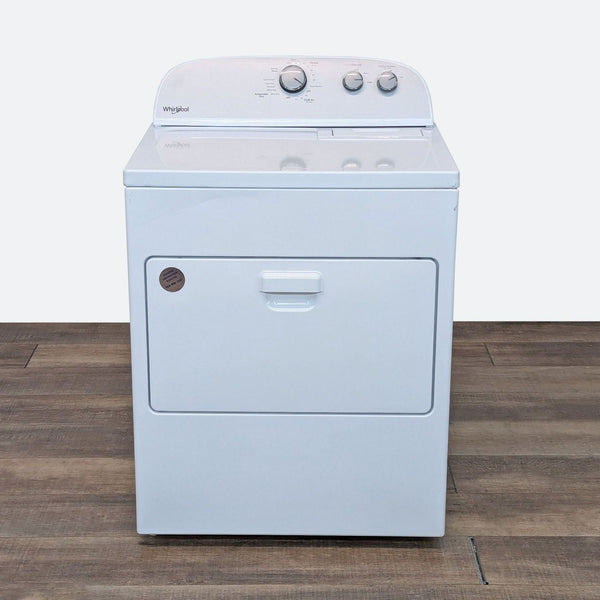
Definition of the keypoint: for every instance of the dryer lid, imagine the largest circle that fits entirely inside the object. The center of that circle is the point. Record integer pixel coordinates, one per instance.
(237, 157)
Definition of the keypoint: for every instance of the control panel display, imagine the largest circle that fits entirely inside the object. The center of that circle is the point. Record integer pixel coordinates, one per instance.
(293, 92)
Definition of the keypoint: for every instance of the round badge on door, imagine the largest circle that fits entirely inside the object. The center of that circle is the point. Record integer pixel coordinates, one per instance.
(171, 279)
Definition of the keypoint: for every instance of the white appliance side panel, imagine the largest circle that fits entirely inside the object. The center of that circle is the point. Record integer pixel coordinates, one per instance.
(301, 336)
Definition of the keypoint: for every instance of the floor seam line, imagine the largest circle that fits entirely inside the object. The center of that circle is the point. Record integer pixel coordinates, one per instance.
(31, 355)
(478, 566)
(452, 478)
(489, 354)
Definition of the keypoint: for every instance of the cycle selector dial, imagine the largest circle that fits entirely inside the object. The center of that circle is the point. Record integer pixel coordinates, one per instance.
(292, 79)
(353, 81)
(387, 82)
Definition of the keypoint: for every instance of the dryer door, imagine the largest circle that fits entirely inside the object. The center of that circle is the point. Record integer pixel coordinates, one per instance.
(291, 335)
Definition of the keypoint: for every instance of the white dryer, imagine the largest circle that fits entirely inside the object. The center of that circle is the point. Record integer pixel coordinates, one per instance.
(291, 237)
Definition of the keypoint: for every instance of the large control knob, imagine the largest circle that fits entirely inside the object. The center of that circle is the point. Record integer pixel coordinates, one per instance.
(387, 82)
(352, 81)
(292, 79)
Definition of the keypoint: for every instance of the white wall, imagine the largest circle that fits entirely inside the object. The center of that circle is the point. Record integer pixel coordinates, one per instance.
(515, 92)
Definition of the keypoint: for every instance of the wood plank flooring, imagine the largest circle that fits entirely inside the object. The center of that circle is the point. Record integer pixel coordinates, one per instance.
(523, 488)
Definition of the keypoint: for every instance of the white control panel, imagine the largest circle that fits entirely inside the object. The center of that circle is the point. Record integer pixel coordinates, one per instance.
(293, 91)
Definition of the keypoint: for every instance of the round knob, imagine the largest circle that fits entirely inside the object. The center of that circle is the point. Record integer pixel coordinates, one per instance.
(292, 79)
(353, 81)
(387, 82)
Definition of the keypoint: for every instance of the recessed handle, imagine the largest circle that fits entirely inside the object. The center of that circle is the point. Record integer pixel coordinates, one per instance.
(291, 282)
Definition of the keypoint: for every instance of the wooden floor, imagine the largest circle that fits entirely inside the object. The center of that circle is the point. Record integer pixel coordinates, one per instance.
(523, 485)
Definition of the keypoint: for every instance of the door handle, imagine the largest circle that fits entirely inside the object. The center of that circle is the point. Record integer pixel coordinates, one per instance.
(291, 282)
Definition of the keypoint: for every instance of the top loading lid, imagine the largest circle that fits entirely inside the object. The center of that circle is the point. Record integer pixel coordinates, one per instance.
(238, 157)
(293, 92)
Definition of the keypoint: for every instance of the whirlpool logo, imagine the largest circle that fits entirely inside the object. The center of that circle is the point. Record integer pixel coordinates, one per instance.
(176, 109)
